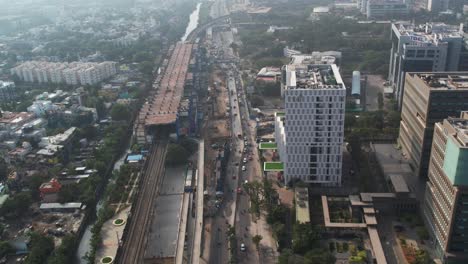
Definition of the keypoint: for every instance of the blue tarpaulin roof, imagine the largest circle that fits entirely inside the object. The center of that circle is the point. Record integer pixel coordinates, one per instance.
(137, 157)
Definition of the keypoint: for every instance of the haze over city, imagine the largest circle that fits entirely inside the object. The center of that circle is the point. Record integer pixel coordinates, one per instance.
(234, 131)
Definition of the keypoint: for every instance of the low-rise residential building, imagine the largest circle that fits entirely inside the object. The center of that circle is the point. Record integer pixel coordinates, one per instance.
(269, 74)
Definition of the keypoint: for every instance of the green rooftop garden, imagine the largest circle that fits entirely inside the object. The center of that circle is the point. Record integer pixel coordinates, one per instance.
(268, 145)
(273, 166)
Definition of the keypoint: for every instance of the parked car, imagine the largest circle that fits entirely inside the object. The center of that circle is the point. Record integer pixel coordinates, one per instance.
(244, 168)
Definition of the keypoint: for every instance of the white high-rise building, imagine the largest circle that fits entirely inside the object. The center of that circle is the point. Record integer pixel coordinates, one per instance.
(310, 133)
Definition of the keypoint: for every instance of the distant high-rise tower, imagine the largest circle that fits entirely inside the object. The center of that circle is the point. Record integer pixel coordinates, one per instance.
(446, 198)
(426, 48)
(429, 98)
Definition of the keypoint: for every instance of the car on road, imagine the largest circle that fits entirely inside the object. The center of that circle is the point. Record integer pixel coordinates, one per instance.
(243, 248)
(244, 168)
(244, 160)
(239, 190)
(234, 177)
(250, 157)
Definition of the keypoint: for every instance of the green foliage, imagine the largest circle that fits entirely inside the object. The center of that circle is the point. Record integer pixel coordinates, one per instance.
(380, 100)
(17, 205)
(65, 253)
(360, 257)
(269, 61)
(305, 237)
(5, 249)
(89, 132)
(176, 155)
(257, 101)
(103, 215)
(319, 256)
(256, 240)
(120, 112)
(3, 170)
(189, 144)
(33, 184)
(68, 193)
(41, 246)
(422, 257)
(422, 232)
(345, 247)
(117, 191)
(268, 88)
(288, 257)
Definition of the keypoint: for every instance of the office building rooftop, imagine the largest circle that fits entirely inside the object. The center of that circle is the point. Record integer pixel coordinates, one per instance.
(428, 34)
(313, 76)
(460, 127)
(447, 80)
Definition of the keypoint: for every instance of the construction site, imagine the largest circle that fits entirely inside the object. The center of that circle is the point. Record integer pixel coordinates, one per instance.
(159, 219)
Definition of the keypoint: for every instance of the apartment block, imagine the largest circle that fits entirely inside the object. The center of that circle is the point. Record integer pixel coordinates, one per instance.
(310, 133)
(429, 98)
(75, 73)
(7, 91)
(425, 48)
(431, 5)
(446, 197)
(383, 8)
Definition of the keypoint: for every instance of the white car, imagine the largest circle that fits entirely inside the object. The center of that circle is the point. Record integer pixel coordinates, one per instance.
(242, 247)
(244, 168)
(244, 160)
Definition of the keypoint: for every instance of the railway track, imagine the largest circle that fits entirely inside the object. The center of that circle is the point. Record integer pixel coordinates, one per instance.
(135, 244)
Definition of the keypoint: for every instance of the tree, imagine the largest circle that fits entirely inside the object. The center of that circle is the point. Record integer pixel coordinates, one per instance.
(3, 170)
(33, 184)
(176, 155)
(65, 252)
(288, 257)
(89, 132)
(305, 237)
(40, 248)
(5, 249)
(268, 88)
(120, 112)
(256, 240)
(17, 205)
(68, 193)
(319, 256)
(257, 101)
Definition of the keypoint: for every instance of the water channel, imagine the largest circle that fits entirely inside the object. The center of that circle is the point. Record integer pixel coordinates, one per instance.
(193, 22)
